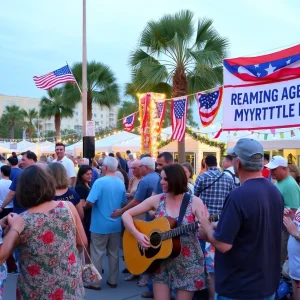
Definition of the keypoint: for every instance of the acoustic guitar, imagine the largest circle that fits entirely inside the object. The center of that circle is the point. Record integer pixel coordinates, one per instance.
(164, 239)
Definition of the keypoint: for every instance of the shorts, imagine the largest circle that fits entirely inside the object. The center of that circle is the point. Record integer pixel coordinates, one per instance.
(209, 255)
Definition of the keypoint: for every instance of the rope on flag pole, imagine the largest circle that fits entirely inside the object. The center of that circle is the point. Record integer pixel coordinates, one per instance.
(75, 79)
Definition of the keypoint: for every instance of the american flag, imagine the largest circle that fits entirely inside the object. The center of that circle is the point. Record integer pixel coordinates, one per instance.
(160, 110)
(209, 104)
(50, 80)
(128, 122)
(178, 115)
(265, 68)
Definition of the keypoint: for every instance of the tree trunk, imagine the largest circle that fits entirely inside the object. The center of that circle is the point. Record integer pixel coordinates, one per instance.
(89, 106)
(57, 127)
(12, 132)
(180, 88)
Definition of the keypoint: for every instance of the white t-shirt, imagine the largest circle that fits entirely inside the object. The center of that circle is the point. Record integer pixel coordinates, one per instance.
(294, 251)
(231, 169)
(4, 189)
(69, 166)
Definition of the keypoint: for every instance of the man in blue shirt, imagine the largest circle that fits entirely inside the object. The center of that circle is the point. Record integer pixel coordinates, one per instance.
(107, 194)
(145, 187)
(28, 158)
(163, 159)
(248, 236)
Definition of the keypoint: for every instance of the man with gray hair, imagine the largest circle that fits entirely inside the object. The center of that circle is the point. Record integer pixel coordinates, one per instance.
(107, 194)
(248, 236)
(145, 187)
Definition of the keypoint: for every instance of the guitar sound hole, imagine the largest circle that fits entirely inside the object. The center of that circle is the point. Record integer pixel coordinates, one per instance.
(155, 239)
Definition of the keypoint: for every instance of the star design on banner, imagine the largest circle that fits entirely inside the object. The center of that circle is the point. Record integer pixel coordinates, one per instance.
(256, 66)
(288, 61)
(270, 69)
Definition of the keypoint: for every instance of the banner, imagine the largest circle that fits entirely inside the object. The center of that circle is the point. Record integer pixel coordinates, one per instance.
(262, 92)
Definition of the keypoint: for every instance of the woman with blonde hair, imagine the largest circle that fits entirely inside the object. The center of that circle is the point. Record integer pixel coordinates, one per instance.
(294, 172)
(62, 190)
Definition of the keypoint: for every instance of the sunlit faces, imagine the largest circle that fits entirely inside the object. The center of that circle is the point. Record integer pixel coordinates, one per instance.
(60, 152)
(87, 176)
(164, 182)
(26, 162)
(160, 162)
(136, 171)
(279, 173)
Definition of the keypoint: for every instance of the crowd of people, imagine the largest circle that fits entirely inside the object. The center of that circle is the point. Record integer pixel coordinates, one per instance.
(248, 212)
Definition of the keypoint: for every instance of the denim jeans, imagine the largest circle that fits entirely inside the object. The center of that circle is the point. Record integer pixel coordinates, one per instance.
(217, 297)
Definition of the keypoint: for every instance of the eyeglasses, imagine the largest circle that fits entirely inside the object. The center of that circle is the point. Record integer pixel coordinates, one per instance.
(142, 166)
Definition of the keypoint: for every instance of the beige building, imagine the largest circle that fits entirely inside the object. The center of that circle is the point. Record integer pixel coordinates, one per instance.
(102, 116)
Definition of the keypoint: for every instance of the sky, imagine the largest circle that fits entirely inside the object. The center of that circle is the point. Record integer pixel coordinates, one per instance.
(37, 37)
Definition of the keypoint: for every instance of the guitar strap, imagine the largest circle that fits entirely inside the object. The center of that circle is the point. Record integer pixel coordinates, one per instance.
(183, 207)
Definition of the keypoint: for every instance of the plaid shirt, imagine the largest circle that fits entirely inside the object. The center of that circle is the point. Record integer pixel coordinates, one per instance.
(215, 195)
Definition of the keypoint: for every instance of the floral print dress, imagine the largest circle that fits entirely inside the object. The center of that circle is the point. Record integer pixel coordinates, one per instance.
(3, 270)
(187, 270)
(50, 267)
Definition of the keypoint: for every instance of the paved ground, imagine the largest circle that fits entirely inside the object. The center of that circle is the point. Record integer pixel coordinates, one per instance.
(125, 290)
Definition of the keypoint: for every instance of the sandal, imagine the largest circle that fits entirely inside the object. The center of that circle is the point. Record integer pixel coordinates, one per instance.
(131, 277)
(147, 295)
(91, 287)
(143, 281)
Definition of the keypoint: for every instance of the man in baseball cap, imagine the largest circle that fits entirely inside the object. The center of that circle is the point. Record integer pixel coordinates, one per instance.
(289, 190)
(249, 226)
(249, 152)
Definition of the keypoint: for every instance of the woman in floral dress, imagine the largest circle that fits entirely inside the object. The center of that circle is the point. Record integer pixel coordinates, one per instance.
(186, 272)
(50, 267)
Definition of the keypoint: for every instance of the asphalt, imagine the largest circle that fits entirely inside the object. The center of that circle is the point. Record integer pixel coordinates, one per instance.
(125, 290)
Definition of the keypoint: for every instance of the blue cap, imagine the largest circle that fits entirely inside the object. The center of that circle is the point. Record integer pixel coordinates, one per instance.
(248, 149)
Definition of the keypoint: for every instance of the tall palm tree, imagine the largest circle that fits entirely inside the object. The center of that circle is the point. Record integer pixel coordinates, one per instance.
(102, 88)
(54, 106)
(176, 51)
(30, 121)
(14, 117)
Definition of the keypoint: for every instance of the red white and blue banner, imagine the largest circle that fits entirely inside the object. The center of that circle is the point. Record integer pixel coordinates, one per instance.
(128, 122)
(179, 108)
(160, 106)
(209, 104)
(262, 92)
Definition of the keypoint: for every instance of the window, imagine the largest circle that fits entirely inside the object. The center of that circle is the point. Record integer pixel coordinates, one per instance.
(101, 122)
(101, 114)
(76, 113)
(95, 115)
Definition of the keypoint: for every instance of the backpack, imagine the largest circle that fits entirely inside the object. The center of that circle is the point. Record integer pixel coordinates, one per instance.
(236, 184)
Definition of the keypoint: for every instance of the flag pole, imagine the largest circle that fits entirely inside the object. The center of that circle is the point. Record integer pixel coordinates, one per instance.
(84, 70)
(75, 79)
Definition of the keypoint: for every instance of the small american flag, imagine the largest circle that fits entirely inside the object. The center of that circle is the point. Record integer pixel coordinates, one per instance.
(178, 116)
(128, 122)
(160, 110)
(50, 80)
(209, 104)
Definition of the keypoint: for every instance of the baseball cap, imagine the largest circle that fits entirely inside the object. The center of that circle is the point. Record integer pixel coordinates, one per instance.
(248, 150)
(277, 161)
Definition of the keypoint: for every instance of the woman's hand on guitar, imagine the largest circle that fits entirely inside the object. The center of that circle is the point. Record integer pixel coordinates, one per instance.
(143, 240)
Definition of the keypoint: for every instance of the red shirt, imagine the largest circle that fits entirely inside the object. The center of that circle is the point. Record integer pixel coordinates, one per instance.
(265, 172)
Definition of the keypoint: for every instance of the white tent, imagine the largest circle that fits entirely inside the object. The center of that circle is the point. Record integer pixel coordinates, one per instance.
(132, 144)
(47, 147)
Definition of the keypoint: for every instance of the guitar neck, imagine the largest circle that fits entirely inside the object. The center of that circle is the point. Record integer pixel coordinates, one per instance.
(179, 231)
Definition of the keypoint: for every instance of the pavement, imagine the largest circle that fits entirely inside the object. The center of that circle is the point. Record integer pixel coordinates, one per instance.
(125, 290)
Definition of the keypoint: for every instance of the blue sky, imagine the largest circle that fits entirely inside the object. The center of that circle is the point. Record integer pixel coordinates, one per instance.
(37, 37)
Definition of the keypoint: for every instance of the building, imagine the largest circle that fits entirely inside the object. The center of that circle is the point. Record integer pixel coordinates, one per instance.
(102, 116)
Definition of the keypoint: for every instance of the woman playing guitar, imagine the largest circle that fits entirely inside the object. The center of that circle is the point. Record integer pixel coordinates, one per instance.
(186, 272)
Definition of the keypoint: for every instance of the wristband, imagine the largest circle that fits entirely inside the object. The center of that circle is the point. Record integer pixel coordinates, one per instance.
(13, 229)
(297, 237)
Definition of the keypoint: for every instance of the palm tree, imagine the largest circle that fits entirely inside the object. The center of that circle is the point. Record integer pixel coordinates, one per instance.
(14, 117)
(175, 51)
(102, 88)
(54, 106)
(30, 121)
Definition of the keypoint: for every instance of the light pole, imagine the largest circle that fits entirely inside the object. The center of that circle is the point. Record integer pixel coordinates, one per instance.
(84, 71)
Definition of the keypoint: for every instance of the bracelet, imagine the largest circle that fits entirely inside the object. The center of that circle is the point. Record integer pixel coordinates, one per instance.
(297, 237)
(11, 228)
